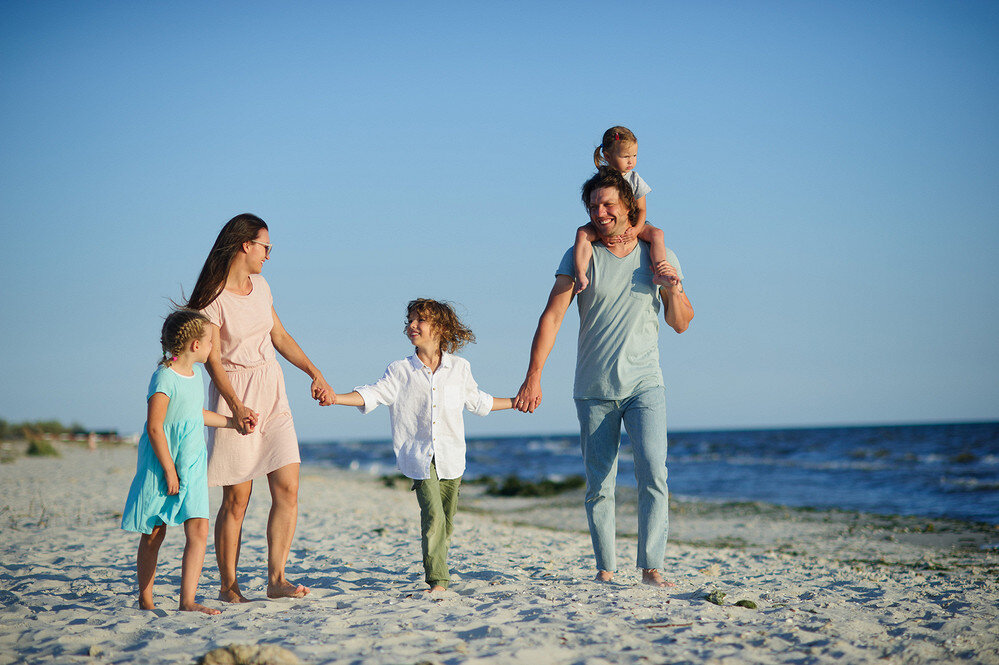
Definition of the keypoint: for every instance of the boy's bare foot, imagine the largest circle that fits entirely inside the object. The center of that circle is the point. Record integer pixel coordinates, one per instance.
(287, 590)
(233, 595)
(604, 576)
(195, 607)
(652, 577)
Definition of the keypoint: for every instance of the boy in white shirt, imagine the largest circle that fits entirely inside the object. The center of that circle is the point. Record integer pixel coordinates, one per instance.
(426, 394)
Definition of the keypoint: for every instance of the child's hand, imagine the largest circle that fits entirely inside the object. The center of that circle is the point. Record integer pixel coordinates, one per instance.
(172, 481)
(329, 400)
(665, 274)
(581, 283)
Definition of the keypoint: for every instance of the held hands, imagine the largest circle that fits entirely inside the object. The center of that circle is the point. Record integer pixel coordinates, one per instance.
(244, 419)
(529, 396)
(322, 392)
(626, 237)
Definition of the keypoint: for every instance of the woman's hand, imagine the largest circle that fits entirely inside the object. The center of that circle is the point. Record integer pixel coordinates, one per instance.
(244, 418)
(322, 392)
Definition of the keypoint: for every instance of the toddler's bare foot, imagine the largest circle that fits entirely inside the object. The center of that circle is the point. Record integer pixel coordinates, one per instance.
(286, 590)
(195, 607)
(661, 280)
(652, 577)
(604, 576)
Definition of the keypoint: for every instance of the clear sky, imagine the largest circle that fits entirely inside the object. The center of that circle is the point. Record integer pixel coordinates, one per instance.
(827, 173)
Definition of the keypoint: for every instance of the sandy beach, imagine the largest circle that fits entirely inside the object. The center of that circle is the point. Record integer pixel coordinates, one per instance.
(828, 586)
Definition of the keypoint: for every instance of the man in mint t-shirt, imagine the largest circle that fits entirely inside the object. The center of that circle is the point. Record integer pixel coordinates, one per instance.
(618, 378)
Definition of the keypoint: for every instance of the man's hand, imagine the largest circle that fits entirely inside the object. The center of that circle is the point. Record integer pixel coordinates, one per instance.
(529, 396)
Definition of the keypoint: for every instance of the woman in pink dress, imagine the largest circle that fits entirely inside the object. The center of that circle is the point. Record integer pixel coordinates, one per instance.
(247, 383)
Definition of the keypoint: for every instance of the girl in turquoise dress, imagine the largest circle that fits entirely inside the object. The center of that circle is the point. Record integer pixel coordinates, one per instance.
(170, 487)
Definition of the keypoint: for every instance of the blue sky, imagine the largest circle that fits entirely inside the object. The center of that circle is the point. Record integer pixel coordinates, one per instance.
(827, 172)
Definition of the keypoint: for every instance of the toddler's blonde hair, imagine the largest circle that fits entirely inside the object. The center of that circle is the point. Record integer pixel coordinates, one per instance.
(612, 137)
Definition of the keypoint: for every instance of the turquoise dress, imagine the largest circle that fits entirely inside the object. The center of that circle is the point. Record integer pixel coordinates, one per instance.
(148, 503)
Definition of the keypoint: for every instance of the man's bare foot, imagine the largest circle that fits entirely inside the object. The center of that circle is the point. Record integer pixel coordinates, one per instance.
(287, 590)
(652, 577)
(195, 607)
(233, 595)
(604, 576)
(435, 588)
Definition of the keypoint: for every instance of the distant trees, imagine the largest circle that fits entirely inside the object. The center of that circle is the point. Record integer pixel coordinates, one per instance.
(9, 430)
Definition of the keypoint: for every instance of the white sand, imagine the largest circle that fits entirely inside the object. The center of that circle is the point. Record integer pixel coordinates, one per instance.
(830, 587)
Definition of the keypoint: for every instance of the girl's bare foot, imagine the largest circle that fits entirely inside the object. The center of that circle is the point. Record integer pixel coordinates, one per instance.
(652, 577)
(286, 590)
(146, 604)
(195, 607)
(604, 576)
(232, 595)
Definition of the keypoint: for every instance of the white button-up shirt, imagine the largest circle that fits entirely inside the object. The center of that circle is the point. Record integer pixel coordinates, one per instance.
(425, 409)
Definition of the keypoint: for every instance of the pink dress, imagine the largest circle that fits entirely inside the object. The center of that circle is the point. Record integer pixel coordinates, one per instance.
(250, 362)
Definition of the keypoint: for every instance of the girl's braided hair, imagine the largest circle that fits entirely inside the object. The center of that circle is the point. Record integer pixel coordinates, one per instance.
(180, 327)
(454, 334)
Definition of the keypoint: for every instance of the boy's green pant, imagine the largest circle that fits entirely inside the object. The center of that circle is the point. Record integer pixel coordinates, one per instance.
(438, 501)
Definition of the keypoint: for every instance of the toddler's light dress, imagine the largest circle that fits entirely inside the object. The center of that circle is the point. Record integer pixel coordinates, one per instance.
(148, 503)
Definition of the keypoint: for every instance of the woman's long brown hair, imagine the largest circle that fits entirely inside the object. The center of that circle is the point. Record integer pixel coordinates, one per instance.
(238, 230)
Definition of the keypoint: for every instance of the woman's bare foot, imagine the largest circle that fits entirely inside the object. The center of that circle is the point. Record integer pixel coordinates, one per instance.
(604, 576)
(232, 595)
(195, 607)
(286, 590)
(652, 577)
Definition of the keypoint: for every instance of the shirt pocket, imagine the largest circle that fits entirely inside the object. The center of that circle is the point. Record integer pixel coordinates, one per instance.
(641, 284)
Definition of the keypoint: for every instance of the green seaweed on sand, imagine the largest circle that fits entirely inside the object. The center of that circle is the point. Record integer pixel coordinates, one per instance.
(716, 597)
(514, 486)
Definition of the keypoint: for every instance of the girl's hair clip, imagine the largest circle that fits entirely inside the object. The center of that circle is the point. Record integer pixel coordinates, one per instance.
(174, 359)
(617, 137)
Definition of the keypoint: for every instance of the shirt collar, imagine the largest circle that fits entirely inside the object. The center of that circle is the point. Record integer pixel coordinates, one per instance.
(446, 361)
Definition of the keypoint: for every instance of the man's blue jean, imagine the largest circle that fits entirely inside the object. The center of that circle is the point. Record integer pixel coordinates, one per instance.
(644, 418)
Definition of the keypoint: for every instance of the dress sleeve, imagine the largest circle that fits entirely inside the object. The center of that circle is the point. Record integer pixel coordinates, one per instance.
(384, 391)
(214, 312)
(476, 401)
(161, 383)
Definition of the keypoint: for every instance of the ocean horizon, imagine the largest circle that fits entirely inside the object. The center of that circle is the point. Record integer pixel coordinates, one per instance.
(944, 470)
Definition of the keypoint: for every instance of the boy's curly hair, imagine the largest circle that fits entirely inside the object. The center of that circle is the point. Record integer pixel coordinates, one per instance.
(454, 334)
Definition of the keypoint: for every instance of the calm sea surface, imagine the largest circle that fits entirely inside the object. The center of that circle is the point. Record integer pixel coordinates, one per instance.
(949, 470)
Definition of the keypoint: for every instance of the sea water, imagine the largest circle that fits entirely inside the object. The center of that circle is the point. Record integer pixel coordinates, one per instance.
(947, 470)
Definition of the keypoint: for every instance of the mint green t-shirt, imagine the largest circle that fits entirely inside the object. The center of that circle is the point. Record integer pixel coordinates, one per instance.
(617, 353)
